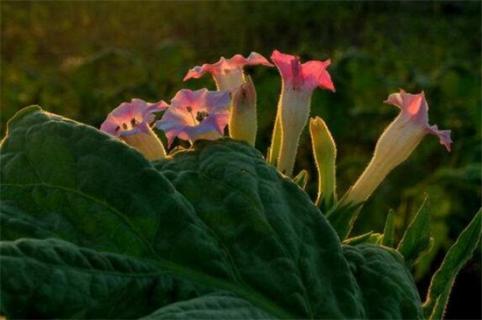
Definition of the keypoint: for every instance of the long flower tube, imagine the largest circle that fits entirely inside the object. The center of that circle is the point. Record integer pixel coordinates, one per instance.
(299, 81)
(396, 143)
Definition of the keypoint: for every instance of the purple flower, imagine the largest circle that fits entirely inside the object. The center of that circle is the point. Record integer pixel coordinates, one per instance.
(194, 115)
(131, 117)
(131, 122)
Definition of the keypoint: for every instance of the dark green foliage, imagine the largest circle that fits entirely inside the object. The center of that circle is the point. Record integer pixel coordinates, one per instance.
(389, 230)
(81, 59)
(457, 256)
(370, 264)
(95, 230)
(416, 239)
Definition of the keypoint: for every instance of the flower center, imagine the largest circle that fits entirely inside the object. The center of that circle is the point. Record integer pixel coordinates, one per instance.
(127, 125)
(198, 117)
(201, 115)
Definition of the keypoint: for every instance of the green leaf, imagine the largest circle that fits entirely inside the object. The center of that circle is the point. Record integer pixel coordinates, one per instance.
(216, 306)
(363, 238)
(213, 230)
(372, 265)
(389, 230)
(416, 238)
(443, 279)
(301, 179)
(343, 216)
(71, 281)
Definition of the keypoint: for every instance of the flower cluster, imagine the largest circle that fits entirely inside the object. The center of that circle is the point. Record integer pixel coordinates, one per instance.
(203, 114)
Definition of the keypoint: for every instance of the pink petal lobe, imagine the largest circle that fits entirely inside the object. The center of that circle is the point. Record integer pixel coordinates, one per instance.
(285, 63)
(316, 75)
(306, 76)
(414, 106)
(443, 135)
(395, 99)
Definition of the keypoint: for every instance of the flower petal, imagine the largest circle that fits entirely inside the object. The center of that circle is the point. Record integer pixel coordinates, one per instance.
(306, 76)
(131, 117)
(201, 100)
(315, 74)
(443, 135)
(285, 64)
(196, 114)
(413, 106)
(224, 65)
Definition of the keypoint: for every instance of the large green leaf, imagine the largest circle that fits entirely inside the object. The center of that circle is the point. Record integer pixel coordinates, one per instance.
(95, 230)
(56, 278)
(216, 306)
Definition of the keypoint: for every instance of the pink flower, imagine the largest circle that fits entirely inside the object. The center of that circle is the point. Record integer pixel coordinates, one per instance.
(131, 123)
(299, 81)
(194, 115)
(414, 108)
(228, 73)
(131, 117)
(396, 143)
(302, 76)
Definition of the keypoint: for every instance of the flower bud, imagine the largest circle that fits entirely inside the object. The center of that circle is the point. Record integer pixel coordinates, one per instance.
(243, 121)
(324, 152)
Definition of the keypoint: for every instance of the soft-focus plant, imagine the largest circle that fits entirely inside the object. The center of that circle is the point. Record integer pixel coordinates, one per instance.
(105, 224)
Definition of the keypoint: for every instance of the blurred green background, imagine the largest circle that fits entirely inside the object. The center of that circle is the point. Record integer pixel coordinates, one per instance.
(81, 59)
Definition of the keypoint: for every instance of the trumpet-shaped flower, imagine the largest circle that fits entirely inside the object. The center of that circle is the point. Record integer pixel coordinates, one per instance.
(194, 115)
(397, 142)
(131, 117)
(228, 73)
(131, 122)
(299, 81)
